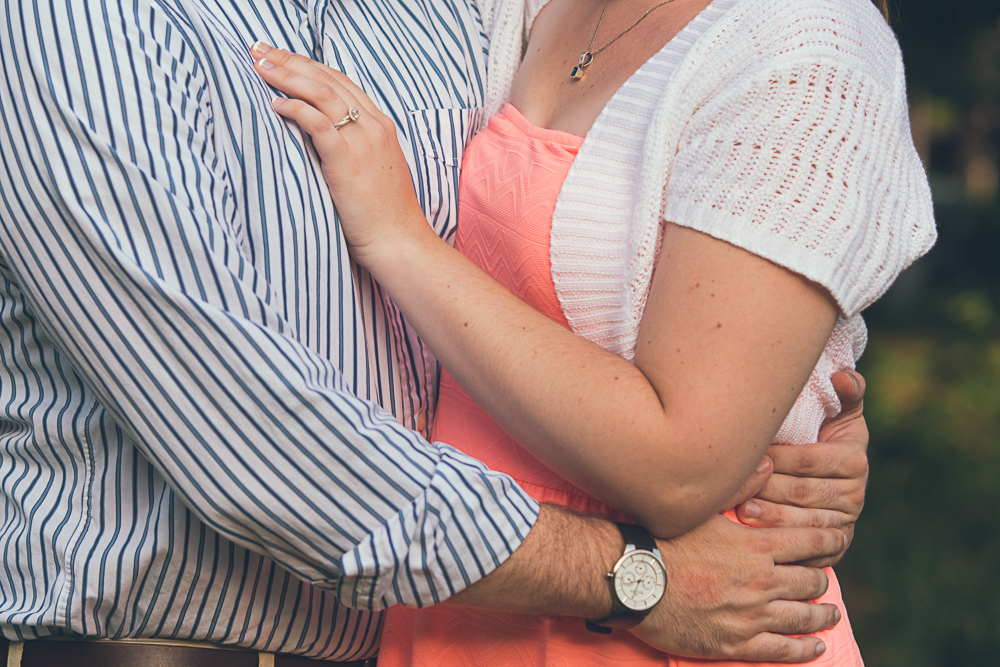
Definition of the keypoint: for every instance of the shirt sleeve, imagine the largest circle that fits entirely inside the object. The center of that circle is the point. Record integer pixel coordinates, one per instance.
(809, 164)
(118, 222)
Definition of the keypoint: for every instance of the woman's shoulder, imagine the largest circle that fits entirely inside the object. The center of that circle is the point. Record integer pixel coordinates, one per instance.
(764, 34)
(800, 122)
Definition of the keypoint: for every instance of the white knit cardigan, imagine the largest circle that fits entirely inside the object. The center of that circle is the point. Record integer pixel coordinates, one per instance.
(779, 126)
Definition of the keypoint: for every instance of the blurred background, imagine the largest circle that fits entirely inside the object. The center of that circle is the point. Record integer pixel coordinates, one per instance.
(922, 580)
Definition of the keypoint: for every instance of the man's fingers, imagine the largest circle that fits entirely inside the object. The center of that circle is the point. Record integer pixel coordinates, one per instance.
(789, 618)
(764, 514)
(791, 545)
(797, 582)
(848, 531)
(839, 495)
(800, 618)
(829, 561)
(819, 460)
(767, 647)
(850, 387)
(753, 485)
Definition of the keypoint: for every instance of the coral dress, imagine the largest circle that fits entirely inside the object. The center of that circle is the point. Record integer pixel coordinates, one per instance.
(512, 173)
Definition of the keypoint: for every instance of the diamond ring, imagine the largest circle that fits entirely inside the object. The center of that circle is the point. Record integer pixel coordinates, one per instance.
(352, 115)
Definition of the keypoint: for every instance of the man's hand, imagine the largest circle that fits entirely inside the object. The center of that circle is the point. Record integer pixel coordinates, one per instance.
(823, 484)
(730, 593)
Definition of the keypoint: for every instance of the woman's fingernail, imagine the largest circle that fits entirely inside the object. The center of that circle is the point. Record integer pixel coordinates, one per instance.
(260, 47)
(764, 464)
(265, 64)
(820, 648)
(278, 101)
(836, 616)
(752, 510)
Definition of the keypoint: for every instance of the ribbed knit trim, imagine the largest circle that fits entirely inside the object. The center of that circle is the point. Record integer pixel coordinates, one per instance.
(504, 22)
(818, 400)
(605, 229)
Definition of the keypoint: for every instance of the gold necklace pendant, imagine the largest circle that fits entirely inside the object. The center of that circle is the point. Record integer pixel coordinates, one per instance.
(585, 59)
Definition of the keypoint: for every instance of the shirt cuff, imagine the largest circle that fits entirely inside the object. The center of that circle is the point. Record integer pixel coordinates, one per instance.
(468, 521)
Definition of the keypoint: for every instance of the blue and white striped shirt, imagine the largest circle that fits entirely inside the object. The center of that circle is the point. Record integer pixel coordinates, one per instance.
(183, 339)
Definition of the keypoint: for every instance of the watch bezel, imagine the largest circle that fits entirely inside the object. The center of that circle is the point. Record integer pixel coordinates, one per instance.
(660, 587)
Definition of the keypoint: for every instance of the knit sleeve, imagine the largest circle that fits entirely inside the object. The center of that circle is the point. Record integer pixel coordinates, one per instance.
(531, 13)
(810, 165)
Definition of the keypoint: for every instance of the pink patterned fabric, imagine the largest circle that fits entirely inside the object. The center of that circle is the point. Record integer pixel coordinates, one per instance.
(511, 177)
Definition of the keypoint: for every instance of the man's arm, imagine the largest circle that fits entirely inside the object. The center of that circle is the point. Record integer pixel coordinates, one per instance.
(731, 590)
(133, 233)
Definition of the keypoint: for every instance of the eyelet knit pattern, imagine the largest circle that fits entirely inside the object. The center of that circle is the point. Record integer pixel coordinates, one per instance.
(780, 126)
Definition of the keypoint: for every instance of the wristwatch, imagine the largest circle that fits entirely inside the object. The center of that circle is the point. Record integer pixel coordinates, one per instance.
(638, 581)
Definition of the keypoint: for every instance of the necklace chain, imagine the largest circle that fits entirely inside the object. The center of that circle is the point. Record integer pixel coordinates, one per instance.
(587, 56)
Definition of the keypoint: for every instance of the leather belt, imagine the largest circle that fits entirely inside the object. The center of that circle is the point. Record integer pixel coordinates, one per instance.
(147, 653)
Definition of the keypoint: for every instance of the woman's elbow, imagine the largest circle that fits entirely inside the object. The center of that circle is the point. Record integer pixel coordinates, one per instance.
(669, 512)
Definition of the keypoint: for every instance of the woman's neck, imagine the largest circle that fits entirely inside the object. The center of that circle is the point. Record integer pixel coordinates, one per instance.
(543, 90)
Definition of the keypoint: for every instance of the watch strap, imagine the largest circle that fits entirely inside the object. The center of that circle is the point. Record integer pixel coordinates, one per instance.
(594, 626)
(637, 536)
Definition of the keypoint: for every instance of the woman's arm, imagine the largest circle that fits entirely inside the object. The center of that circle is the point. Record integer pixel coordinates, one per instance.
(727, 341)
(726, 345)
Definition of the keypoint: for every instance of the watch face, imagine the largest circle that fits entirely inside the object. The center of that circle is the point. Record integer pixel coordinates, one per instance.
(640, 581)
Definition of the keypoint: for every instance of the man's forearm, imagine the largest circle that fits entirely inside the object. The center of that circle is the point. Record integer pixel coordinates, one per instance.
(195, 356)
(557, 571)
(728, 586)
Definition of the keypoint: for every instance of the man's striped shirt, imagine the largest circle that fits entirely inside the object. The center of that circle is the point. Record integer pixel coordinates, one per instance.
(189, 362)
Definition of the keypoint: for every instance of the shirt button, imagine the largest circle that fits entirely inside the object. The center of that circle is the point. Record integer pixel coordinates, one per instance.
(421, 421)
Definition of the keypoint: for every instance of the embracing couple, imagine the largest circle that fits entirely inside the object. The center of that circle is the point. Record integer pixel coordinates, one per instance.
(652, 227)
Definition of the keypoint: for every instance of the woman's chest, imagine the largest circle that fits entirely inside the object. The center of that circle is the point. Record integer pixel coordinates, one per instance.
(581, 53)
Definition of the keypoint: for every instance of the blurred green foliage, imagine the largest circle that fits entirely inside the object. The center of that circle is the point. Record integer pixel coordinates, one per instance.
(922, 581)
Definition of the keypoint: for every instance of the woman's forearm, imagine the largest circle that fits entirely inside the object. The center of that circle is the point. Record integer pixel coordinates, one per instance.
(588, 414)
(593, 417)
(726, 343)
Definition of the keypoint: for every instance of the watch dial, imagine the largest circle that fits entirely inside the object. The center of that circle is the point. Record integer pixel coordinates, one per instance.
(640, 581)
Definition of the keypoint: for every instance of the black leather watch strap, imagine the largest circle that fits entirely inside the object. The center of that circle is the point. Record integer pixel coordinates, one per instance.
(594, 626)
(637, 536)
